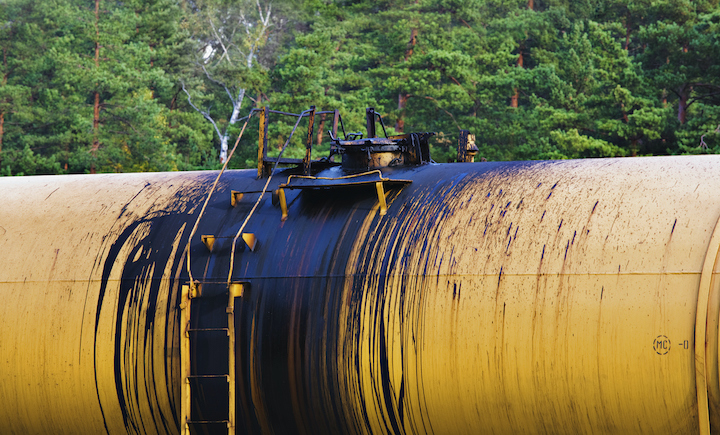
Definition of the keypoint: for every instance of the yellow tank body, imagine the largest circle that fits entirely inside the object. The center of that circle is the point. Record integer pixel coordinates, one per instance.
(57, 354)
(524, 297)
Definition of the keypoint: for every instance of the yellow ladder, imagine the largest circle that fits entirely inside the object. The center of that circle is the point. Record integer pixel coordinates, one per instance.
(190, 293)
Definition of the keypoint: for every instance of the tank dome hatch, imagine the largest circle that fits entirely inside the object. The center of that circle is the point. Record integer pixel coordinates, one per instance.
(372, 152)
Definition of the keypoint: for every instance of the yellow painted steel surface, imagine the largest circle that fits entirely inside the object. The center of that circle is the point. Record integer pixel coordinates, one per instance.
(57, 347)
(564, 303)
(549, 297)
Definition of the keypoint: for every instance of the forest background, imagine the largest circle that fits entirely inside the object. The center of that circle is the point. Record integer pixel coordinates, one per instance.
(157, 85)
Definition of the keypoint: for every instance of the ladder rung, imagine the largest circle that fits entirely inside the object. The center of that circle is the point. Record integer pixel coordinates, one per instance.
(207, 422)
(207, 329)
(207, 376)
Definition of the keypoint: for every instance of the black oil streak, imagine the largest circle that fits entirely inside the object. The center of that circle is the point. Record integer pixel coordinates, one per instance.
(566, 250)
(130, 275)
(543, 215)
(508, 204)
(573, 239)
(601, 292)
(593, 210)
(548, 197)
(554, 185)
(543, 253)
(508, 230)
(52, 193)
(500, 276)
(560, 226)
(385, 376)
(673, 228)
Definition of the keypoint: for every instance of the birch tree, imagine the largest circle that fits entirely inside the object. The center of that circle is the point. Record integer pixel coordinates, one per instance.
(230, 37)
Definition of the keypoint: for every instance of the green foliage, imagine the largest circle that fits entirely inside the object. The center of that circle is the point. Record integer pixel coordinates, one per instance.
(542, 79)
(52, 77)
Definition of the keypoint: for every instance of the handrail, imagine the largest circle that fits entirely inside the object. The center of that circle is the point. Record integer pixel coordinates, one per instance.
(242, 227)
(212, 190)
(300, 116)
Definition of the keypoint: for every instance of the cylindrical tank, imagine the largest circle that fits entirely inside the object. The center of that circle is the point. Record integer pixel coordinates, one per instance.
(524, 297)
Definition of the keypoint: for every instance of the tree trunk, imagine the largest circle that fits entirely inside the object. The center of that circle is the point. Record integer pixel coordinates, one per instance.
(2, 131)
(400, 123)
(683, 103)
(321, 128)
(516, 92)
(2, 113)
(403, 96)
(627, 32)
(96, 105)
(233, 120)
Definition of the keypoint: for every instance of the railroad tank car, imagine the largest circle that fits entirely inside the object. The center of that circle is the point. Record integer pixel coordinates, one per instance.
(499, 297)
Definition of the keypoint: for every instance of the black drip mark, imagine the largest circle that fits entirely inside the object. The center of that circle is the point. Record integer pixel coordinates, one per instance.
(548, 197)
(508, 204)
(385, 376)
(46, 198)
(593, 210)
(673, 228)
(573, 239)
(560, 226)
(500, 276)
(542, 256)
(129, 317)
(543, 215)
(566, 249)
(602, 290)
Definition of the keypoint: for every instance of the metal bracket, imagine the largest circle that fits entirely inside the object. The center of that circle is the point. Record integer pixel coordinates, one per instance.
(195, 291)
(209, 241)
(238, 289)
(235, 197)
(381, 197)
(250, 240)
(283, 203)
